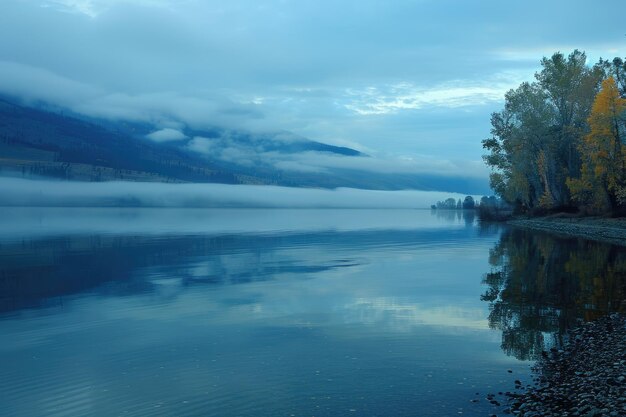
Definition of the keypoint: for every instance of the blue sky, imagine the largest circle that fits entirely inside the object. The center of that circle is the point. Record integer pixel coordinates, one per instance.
(410, 82)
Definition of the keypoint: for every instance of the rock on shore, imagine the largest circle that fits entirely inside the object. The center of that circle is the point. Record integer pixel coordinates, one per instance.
(586, 378)
(602, 229)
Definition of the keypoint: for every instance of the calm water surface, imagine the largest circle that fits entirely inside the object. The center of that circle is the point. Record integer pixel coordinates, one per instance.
(168, 312)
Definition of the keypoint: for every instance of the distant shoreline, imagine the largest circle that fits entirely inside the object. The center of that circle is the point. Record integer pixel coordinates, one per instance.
(611, 230)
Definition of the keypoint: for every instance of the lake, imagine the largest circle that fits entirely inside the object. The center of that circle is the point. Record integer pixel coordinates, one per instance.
(249, 312)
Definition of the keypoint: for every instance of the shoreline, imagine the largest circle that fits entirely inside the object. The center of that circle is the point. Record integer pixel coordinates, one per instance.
(586, 378)
(610, 230)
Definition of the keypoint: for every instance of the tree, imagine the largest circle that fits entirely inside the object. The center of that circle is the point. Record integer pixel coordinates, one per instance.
(535, 138)
(468, 203)
(616, 69)
(520, 133)
(448, 204)
(602, 182)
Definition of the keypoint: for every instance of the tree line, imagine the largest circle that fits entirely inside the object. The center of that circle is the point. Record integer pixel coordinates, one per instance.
(452, 204)
(559, 142)
(489, 208)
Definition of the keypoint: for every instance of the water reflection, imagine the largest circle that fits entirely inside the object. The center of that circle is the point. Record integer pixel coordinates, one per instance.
(40, 272)
(456, 216)
(245, 313)
(541, 285)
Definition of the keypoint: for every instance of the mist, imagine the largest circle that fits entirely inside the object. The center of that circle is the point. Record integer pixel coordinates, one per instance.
(26, 192)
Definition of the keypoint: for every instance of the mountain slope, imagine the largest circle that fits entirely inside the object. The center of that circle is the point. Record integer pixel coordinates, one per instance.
(45, 143)
(37, 142)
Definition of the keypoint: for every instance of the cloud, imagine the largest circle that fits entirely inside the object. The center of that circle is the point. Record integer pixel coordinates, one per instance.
(20, 192)
(23, 222)
(529, 54)
(166, 135)
(254, 152)
(33, 84)
(37, 84)
(408, 96)
(378, 76)
(167, 107)
(318, 162)
(86, 7)
(93, 8)
(224, 149)
(403, 316)
(173, 112)
(202, 145)
(298, 166)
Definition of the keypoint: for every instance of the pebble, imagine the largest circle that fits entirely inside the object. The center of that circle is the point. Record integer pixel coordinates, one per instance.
(586, 377)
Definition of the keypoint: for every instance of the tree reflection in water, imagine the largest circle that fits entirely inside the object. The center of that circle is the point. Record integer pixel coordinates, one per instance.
(541, 285)
(455, 216)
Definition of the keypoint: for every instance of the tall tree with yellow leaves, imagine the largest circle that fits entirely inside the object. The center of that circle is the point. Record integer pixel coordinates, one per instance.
(602, 184)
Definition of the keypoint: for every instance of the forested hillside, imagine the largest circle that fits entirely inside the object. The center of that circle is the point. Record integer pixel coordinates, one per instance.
(38, 142)
(35, 142)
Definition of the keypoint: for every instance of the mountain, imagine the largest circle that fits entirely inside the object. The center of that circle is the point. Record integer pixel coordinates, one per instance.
(40, 141)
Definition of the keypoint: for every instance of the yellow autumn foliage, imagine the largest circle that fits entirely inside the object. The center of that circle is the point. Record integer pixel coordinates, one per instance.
(603, 177)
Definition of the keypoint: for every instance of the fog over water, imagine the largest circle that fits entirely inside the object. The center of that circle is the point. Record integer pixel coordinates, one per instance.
(277, 311)
(21, 192)
(41, 222)
(245, 312)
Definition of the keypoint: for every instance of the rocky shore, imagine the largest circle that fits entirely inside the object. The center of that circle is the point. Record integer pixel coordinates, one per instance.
(594, 228)
(586, 378)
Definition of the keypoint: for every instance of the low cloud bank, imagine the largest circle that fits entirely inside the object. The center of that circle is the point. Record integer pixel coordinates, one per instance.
(166, 135)
(22, 192)
(273, 150)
